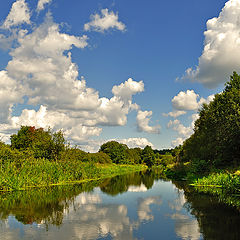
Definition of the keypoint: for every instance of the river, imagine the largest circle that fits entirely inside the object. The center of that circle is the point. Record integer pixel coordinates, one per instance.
(133, 206)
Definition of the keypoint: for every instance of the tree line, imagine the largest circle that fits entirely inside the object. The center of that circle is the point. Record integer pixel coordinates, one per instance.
(46, 144)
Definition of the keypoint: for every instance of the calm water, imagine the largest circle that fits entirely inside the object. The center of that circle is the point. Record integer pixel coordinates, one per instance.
(135, 206)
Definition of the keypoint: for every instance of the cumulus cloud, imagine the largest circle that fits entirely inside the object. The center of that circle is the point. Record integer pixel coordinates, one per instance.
(135, 142)
(42, 71)
(176, 142)
(127, 89)
(221, 48)
(94, 145)
(103, 22)
(188, 100)
(180, 128)
(19, 14)
(41, 4)
(143, 118)
(183, 132)
(10, 93)
(174, 114)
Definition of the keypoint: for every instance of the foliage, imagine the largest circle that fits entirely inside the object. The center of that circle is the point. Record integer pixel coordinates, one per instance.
(230, 183)
(38, 157)
(100, 157)
(23, 173)
(43, 144)
(120, 153)
(116, 151)
(148, 156)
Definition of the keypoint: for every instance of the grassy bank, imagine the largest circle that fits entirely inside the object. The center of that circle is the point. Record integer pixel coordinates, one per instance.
(42, 172)
(224, 183)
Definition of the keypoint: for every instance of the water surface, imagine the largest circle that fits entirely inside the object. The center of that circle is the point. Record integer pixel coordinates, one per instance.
(133, 206)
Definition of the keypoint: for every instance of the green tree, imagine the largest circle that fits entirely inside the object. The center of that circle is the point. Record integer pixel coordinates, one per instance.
(116, 151)
(134, 155)
(43, 144)
(148, 156)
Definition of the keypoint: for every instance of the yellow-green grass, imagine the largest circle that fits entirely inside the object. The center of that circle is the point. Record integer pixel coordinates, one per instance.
(35, 173)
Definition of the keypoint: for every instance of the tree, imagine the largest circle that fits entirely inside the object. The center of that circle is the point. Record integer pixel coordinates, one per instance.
(43, 144)
(116, 151)
(148, 156)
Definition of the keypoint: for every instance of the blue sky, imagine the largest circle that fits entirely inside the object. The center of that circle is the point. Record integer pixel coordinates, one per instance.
(104, 70)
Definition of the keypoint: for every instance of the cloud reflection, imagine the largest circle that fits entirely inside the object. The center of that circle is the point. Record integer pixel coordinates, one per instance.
(144, 211)
(185, 226)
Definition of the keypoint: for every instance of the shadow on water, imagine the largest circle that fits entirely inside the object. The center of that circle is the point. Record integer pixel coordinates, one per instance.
(47, 206)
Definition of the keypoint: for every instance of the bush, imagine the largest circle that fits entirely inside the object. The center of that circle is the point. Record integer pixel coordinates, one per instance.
(43, 144)
(100, 157)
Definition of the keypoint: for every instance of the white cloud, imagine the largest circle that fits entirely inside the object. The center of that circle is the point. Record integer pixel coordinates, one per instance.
(10, 93)
(186, 100)
(94, 145)
(74, 130)
(181, 129)
(19, 14)
(103, 22)
(221, 48)
(183, 132)
(178, 141)
(135, 142)
(143, 118)
(174, 114)
(42, 70)
(189, 101)
(127, 89)
(194, 117)
(41, 4)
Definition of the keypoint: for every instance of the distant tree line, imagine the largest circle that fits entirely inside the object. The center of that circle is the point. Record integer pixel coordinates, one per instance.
(46, 144)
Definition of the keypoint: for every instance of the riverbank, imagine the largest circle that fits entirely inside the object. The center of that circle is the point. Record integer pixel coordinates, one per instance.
(223, 183)
(37, 173)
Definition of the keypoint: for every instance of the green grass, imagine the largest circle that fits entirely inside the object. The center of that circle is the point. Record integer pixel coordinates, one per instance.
(227, 181)
(224, 185)
(32, 173)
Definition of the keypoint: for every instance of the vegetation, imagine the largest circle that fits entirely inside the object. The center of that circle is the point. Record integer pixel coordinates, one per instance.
(38, 158)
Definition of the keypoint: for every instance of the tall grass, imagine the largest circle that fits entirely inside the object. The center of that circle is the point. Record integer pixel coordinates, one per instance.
(230, 183)
(31, 172)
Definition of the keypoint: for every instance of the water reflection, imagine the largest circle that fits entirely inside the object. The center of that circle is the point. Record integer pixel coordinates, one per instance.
(134, 206)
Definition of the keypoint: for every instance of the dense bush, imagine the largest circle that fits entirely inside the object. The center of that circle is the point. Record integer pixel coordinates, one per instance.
(43, 144)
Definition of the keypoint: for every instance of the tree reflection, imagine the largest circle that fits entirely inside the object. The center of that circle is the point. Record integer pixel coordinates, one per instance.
(47, 205)
(216, 220)
(44, 205)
